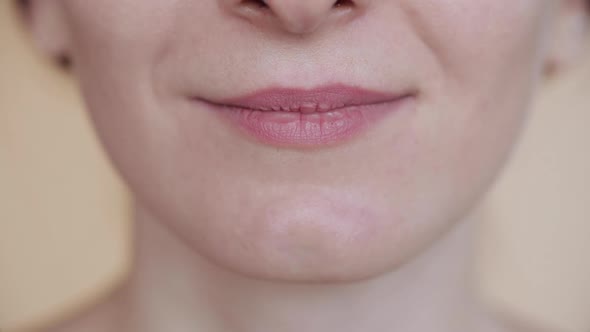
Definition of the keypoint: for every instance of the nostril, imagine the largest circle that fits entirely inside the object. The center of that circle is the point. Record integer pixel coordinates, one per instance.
(258, 4)
(343, 4)
(298, 17)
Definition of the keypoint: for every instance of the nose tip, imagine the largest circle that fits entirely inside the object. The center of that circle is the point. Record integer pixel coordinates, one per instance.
(299, 16)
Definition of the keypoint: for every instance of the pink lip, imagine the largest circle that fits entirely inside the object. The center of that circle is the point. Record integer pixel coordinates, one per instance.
(308, 118)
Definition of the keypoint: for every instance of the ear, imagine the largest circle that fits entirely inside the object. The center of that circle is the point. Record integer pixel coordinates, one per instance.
(570, 33)
(49, 28)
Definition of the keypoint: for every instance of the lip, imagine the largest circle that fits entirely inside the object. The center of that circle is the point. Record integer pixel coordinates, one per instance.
(294, 117)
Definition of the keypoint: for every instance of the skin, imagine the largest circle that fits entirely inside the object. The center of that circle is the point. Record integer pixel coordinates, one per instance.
(350, 213)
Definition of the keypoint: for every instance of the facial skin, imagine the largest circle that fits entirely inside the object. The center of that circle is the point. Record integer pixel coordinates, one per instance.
(338, 213)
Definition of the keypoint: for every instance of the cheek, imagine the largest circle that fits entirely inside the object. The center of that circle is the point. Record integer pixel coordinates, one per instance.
(488, 73)
(473, 40)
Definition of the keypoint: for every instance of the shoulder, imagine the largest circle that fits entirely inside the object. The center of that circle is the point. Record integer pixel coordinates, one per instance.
(511, 323)
(108, 315)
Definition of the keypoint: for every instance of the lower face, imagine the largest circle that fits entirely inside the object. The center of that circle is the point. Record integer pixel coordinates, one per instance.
(340, 206)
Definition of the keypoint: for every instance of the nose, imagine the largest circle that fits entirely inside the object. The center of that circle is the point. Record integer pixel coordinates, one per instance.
(294, 16)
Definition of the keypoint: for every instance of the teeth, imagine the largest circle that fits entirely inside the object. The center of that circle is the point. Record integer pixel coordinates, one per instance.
(308, 108)
(305, 108)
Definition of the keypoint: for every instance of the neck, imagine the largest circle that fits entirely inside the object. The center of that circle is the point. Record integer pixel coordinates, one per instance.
(173, 286)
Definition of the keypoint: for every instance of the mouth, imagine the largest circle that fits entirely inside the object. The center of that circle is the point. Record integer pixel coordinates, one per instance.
(290, 117)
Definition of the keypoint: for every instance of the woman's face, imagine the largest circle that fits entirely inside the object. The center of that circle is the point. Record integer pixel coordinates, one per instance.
(303, 196)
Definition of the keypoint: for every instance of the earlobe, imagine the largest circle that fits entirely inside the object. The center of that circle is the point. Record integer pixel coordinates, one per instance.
(569, 39)
(49, 29)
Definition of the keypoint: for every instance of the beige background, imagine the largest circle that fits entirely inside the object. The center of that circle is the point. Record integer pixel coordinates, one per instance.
(64, 216)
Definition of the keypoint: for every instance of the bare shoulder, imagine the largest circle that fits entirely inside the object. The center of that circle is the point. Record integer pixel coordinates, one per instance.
(105, 316)
(514, 324)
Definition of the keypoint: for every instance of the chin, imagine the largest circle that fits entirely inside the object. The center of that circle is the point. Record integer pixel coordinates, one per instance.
(303, 235)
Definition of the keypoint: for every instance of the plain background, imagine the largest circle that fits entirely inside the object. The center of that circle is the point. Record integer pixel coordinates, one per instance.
(65, 217)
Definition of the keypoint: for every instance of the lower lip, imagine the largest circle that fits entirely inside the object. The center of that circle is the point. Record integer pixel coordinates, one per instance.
(296, 129)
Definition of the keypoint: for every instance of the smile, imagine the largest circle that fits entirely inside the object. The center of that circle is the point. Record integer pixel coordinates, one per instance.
(307, 118)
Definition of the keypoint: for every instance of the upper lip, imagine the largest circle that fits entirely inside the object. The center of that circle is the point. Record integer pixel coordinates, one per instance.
(322, 99)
